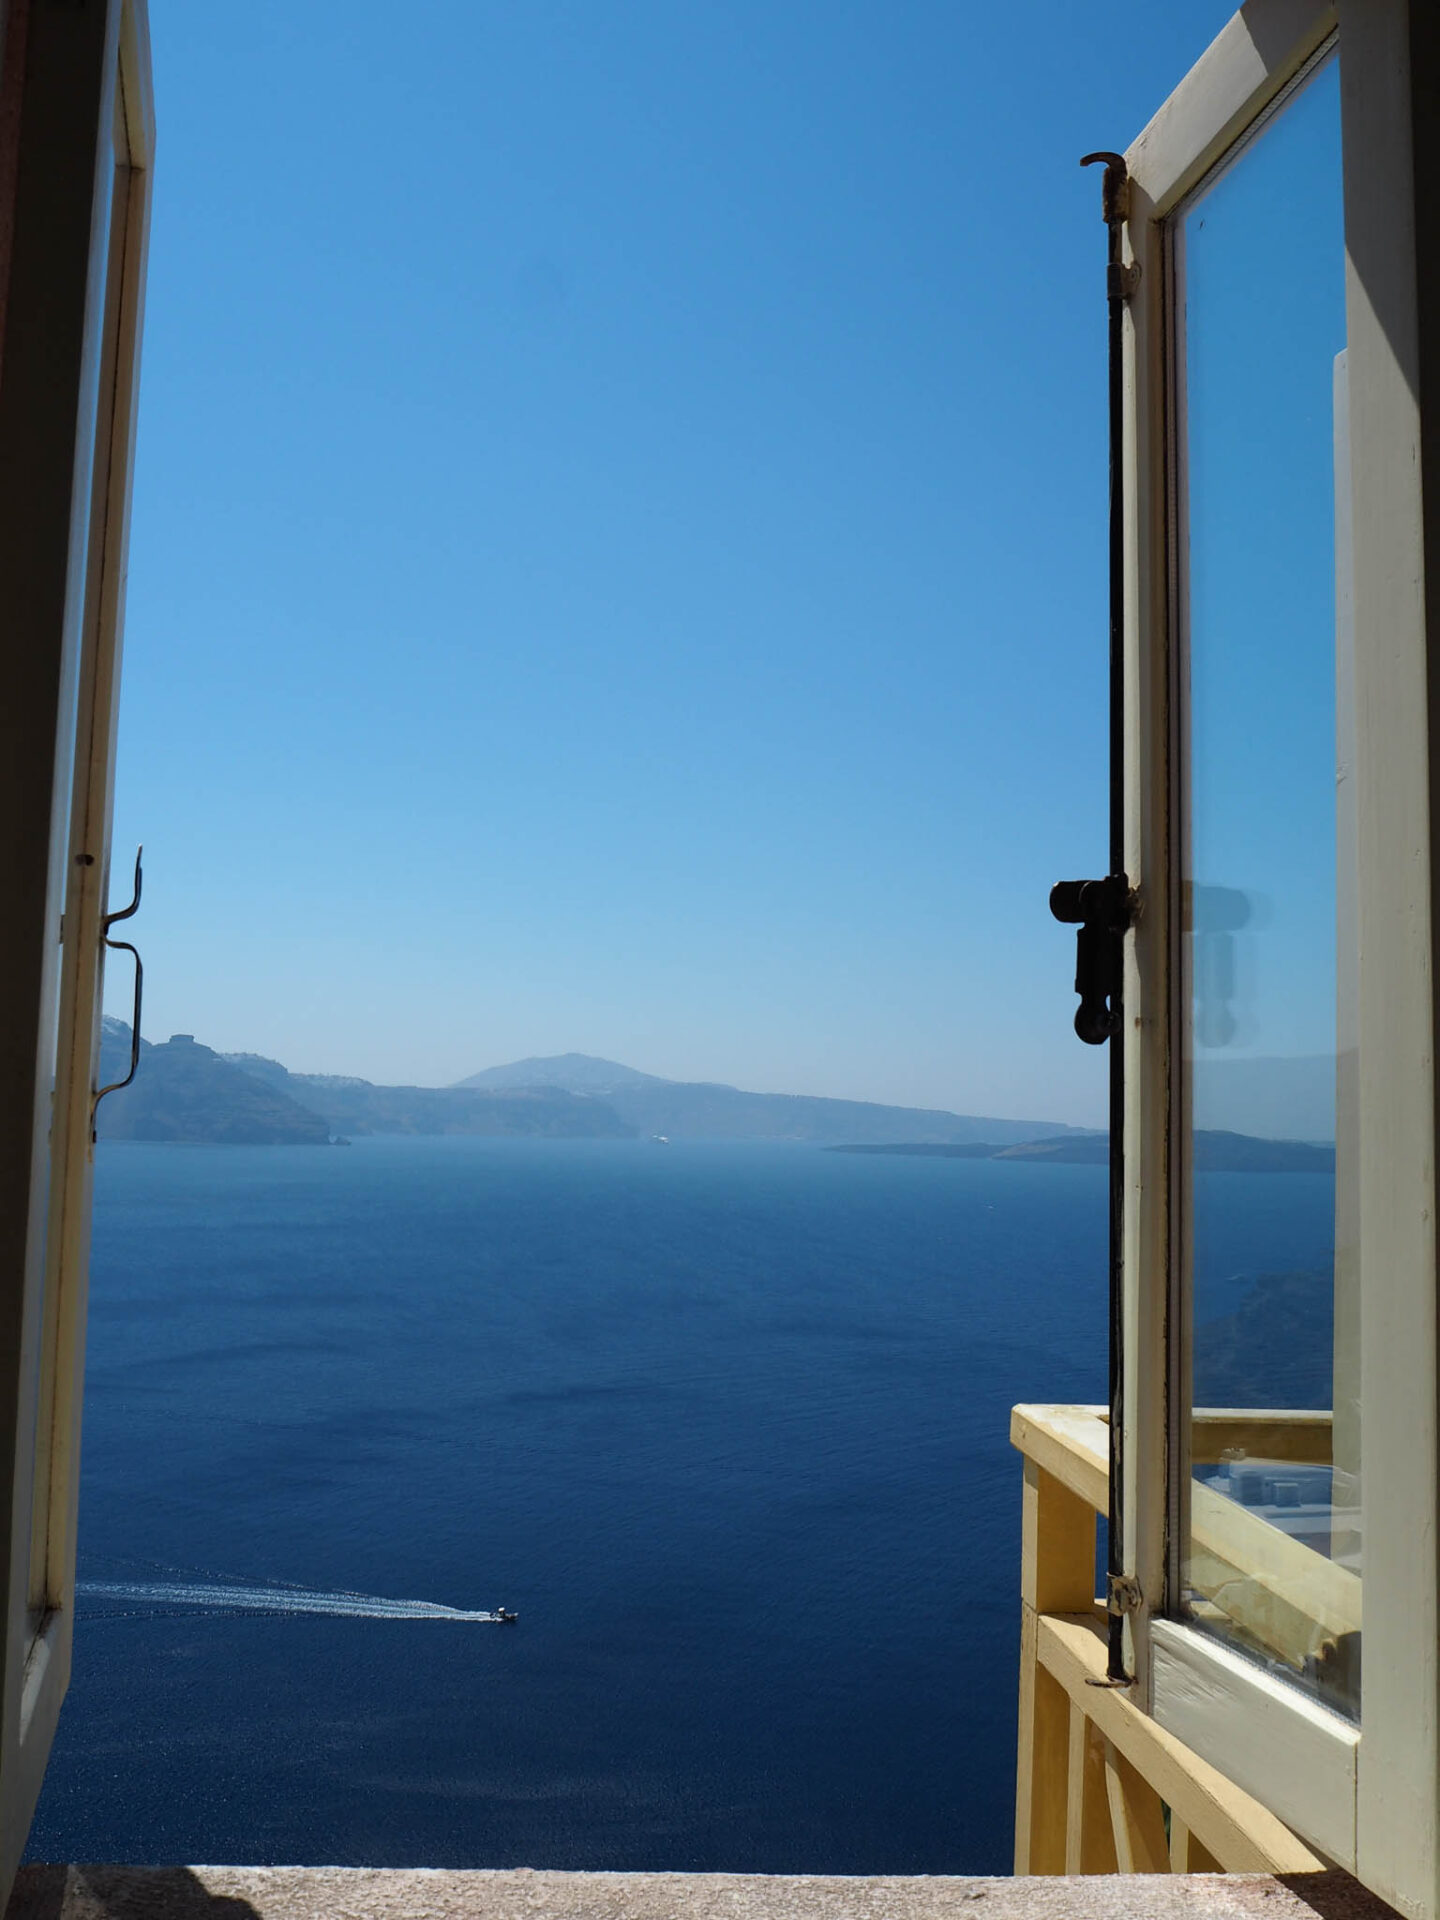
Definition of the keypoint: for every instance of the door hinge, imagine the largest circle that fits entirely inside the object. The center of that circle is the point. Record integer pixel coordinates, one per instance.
(1121, 280)
(1122, 1594)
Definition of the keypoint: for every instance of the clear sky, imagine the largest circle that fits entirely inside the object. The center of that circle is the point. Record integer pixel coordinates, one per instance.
(1265, 319)
(619, 541)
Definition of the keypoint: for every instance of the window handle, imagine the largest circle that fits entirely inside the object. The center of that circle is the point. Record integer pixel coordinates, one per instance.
(124, 946)
(1100, 911)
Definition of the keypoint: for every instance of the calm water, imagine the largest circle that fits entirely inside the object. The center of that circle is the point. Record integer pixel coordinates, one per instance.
(725, 1424)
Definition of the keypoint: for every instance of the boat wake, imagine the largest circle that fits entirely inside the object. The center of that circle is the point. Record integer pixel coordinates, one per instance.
(159, 1599)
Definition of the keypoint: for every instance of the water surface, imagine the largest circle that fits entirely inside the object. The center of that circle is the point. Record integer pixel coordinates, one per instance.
(726, 1425)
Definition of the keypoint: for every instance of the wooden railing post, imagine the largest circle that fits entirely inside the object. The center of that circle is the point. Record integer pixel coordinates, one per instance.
(1042, 1768)
(1057, 1575)
(1137, 1817)
(1089, 1833)
(1187, 1853)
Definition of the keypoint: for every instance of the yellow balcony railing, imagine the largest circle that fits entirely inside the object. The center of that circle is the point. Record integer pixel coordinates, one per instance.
(1100, 1787)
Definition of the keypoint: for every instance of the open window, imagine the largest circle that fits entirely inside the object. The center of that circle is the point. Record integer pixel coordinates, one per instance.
(1279, 1366)
(76, 136)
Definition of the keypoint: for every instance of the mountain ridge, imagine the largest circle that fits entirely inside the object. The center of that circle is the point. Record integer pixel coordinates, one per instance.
(713, 1110)
(573, 1072)
(189, 1092)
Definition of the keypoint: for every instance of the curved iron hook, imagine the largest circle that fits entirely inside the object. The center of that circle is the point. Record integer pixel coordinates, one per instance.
(125, 912)
(124, 946)
(1114, 194)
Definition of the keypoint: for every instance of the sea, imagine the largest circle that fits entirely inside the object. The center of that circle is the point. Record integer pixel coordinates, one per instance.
(724, 1425)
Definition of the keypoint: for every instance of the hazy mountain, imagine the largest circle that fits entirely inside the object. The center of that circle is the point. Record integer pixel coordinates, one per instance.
(185, 1091)
(573, 1072)
(707, 1110)
(354, 1106)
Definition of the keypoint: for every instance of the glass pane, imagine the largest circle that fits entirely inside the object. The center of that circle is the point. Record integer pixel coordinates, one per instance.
(1273, 1545)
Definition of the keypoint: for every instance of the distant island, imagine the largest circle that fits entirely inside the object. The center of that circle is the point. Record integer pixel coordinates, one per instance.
(188, 1092)
(1215, 1152)
(709, 1110)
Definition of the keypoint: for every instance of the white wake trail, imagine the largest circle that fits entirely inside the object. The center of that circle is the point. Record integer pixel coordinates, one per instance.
(214, 1598)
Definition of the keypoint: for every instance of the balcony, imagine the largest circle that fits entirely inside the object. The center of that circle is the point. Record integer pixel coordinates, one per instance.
(1100, 1787)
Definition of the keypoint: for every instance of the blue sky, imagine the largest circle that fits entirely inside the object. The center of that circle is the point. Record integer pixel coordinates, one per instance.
(1265, 319)
(618, 552)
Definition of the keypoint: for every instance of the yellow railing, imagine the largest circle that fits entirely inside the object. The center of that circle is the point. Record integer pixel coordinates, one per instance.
(1097, 1781)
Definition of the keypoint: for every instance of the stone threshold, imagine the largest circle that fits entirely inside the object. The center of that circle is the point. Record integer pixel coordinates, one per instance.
(364, 1893)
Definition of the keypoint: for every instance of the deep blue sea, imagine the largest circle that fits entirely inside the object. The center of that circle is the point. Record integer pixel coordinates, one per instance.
(725, 1424)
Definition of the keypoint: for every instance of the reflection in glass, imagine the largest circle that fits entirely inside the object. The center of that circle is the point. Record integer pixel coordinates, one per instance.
(1273, 1546)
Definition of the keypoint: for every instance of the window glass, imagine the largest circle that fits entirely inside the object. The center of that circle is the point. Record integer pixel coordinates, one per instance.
(1272, 1547)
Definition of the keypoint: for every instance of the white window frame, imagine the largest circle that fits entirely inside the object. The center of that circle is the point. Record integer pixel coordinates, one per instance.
(1366, 1797)
(76, 83)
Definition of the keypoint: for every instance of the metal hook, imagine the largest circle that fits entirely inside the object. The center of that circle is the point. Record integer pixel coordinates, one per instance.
(1115, 194)
(124, 946)
(125, 912)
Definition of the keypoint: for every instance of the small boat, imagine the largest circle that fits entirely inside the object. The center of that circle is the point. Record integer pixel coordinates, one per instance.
(660, 1139)
(505, 1616)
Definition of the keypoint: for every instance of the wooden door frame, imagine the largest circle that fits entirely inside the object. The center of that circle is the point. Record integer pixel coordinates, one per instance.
(76, 141)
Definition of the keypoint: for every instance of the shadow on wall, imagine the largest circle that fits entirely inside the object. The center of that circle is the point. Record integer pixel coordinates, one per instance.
(119, 1893)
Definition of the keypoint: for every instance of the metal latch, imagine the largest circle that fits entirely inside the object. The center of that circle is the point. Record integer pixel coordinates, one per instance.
(1100, 910)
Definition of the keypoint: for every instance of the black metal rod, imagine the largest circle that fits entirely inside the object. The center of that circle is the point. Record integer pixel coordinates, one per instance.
(123, 946)
(1114, 197)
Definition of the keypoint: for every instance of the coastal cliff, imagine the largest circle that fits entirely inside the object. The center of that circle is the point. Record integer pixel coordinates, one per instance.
(187, 1092)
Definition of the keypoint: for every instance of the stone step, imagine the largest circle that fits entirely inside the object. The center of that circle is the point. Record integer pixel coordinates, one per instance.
(363, 1893)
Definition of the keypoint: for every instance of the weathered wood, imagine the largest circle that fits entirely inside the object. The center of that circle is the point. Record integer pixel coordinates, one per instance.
(1057, 1574)
(1137, 1818)
(1243, 1836)
(1057, 1545)
(1291, 1598)
(1070, 1443)
(1297, 1756)
(1029, 1797)
(1089, 1839)
(1187, 1853)
(1042, 1762)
